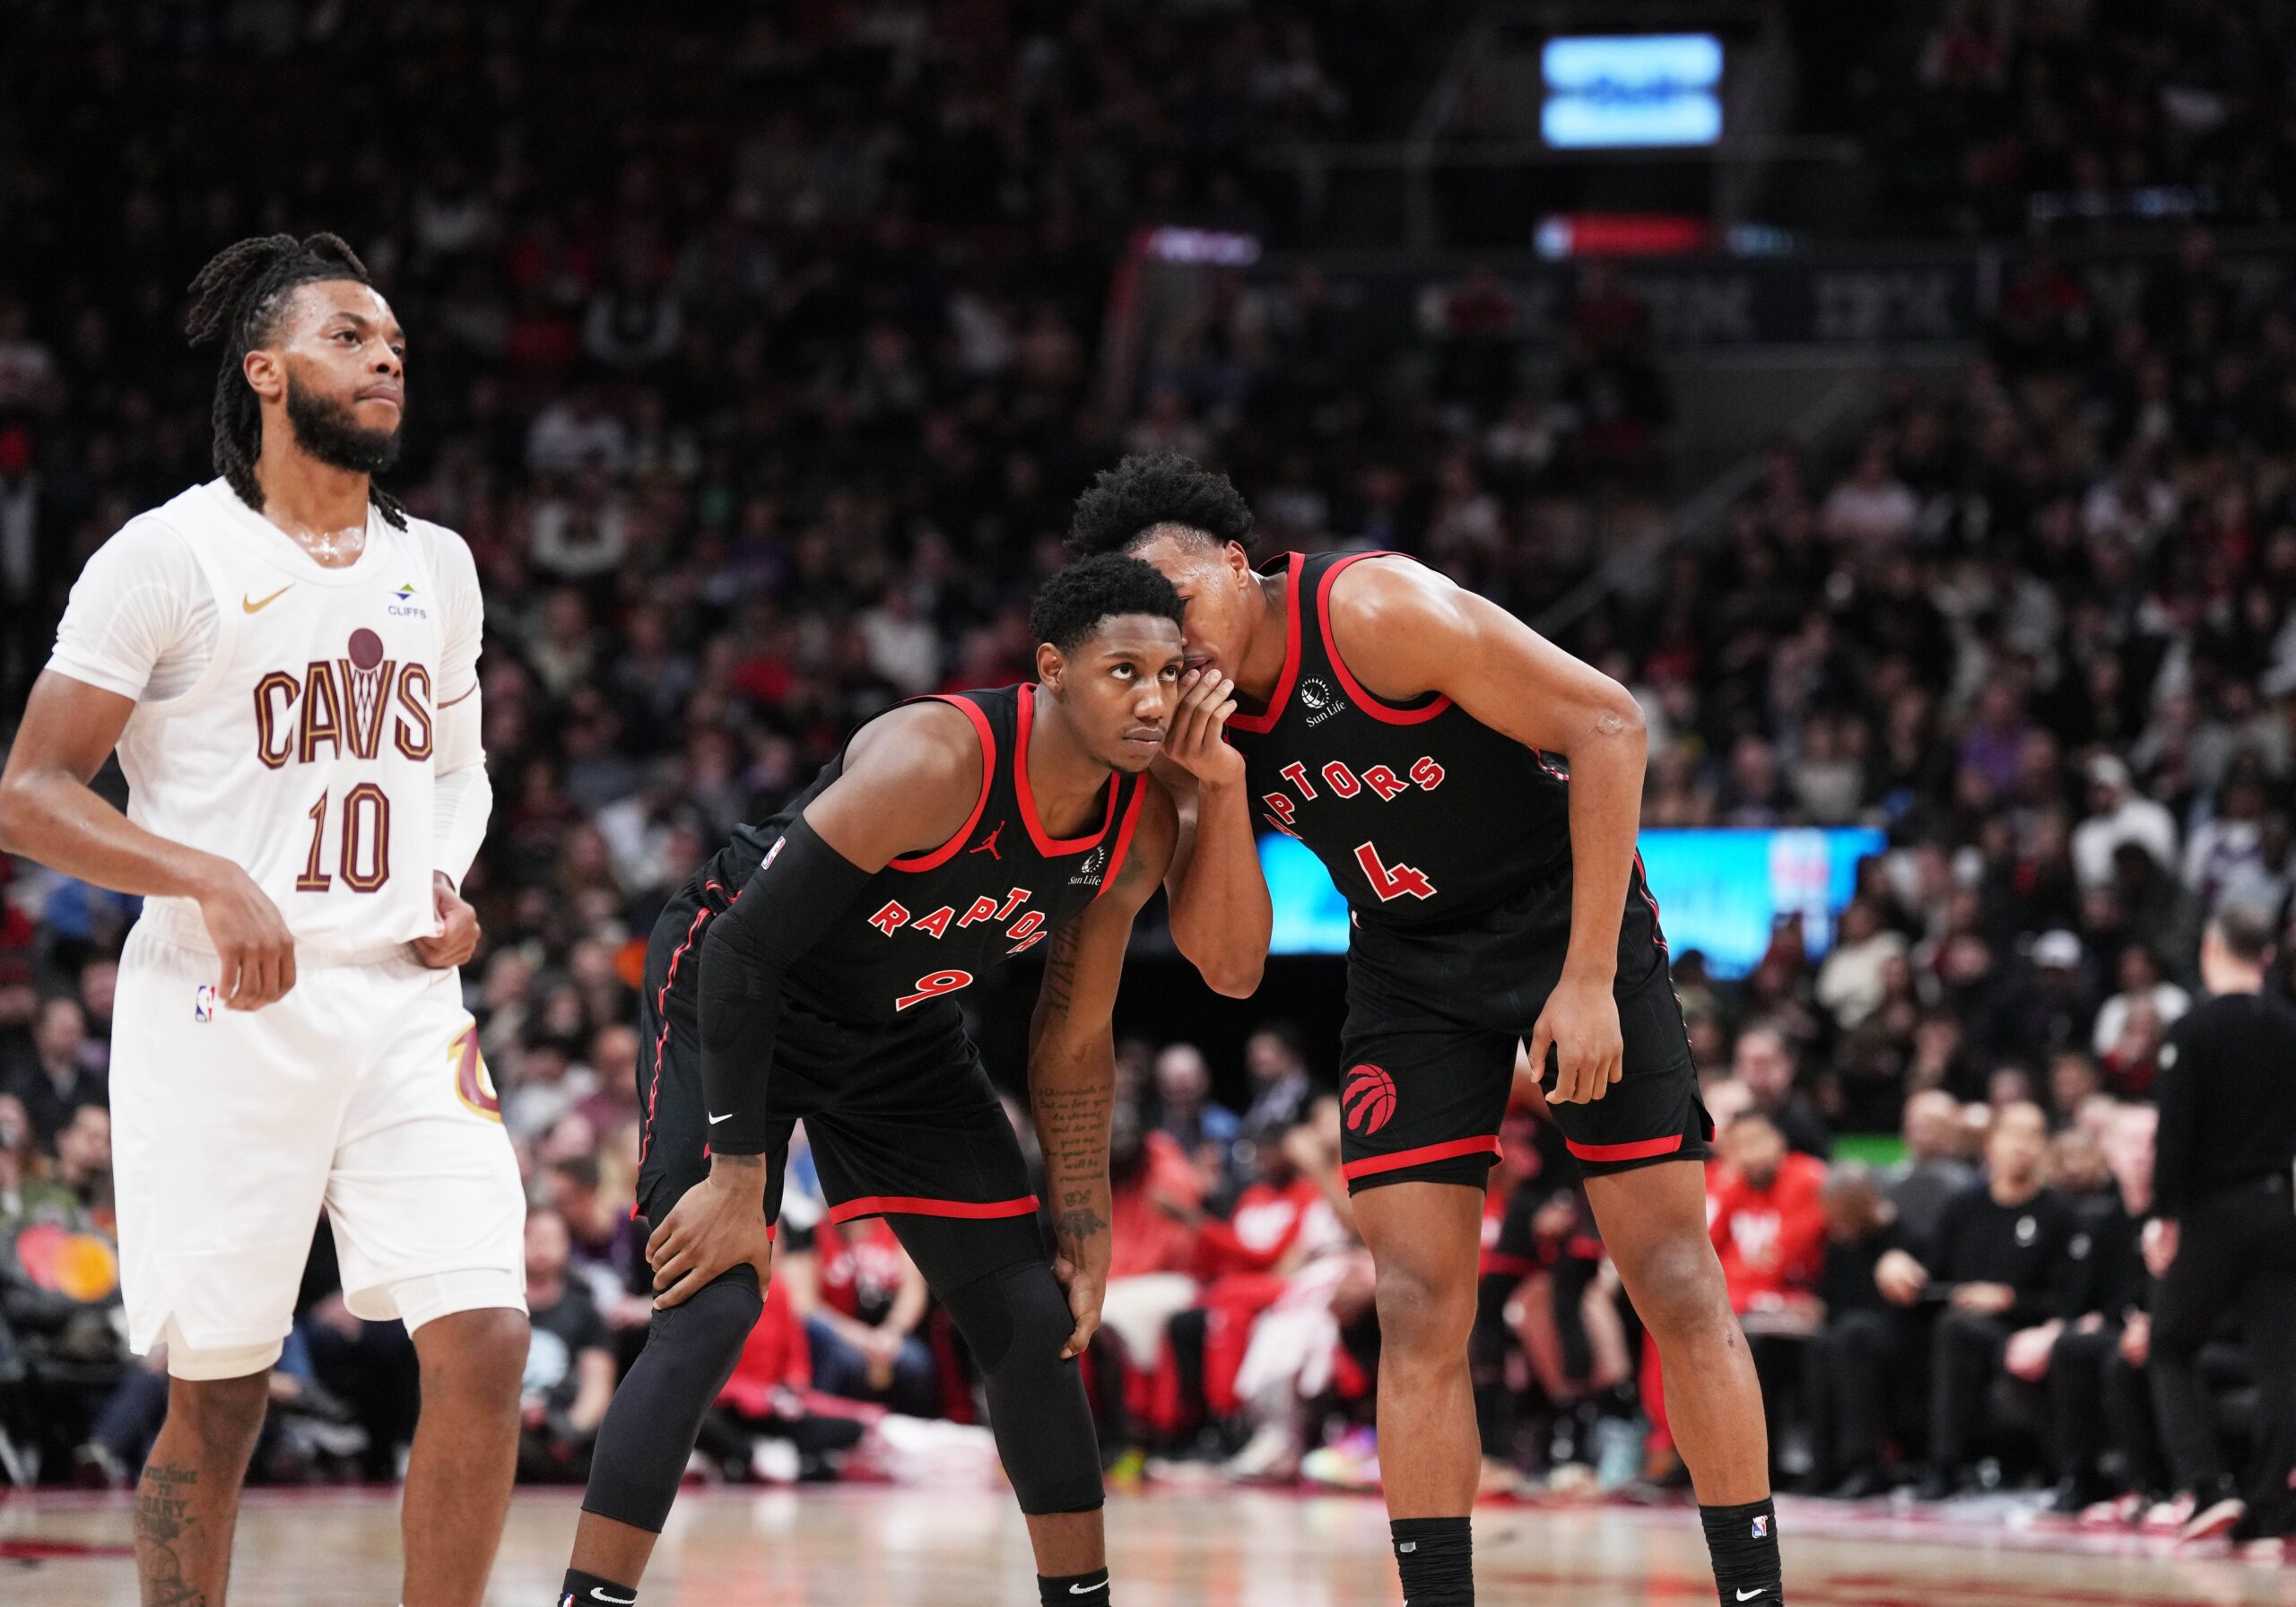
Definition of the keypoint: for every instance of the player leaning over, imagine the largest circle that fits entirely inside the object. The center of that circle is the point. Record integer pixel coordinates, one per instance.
(1400, 727)
(287, 664)
(812, 971)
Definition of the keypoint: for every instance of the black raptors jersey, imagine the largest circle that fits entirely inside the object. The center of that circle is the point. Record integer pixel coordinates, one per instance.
(931, 924)
(1422, 814)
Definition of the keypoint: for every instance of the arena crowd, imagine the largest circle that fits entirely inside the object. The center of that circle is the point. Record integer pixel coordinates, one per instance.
(763, 408)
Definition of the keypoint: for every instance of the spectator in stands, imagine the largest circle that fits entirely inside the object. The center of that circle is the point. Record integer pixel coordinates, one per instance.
(1851, 983)
(1187, 1113)
(2000, 1265)
(1859, 1353)
(2119, 813)
(2098, 1397)
(58, 1081)
(1871, 510)
(863, 1302)
(1765, 1062)
(2138, 974)
(1280, 1087)
(84, 1161)
(99, 990)
(2074, 1080)
(1769, 1225)
(2054, 1009)
(569, 1363)
(1243, 1260)
(1769, 1221)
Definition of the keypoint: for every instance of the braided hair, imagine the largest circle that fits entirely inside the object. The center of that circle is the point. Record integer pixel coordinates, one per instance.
(237, 298)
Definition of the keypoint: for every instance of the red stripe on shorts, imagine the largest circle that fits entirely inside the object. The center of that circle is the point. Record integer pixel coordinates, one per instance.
(1488, 1144)
(1642, 1149)
(908, 1205)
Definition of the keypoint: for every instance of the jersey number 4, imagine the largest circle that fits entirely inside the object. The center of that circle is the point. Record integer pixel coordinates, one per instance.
(1393, 881)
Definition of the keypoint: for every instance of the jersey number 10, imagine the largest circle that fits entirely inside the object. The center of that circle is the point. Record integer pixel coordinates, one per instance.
(364, 862)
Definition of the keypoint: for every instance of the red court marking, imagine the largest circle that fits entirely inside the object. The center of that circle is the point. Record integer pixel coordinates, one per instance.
(53, 1551)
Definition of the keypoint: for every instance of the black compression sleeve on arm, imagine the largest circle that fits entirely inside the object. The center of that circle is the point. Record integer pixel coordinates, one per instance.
(802, 885)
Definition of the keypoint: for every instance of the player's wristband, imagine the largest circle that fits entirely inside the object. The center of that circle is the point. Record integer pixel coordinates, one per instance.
(802, 886)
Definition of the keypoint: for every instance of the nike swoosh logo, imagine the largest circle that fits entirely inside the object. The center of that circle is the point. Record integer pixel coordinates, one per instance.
(713, 1122)
(1748, 1595)
(255, 607)
(1086, 1590)
(599, 1595)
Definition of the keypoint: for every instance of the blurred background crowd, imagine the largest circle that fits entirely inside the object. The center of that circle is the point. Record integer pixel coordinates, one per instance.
(761, 383)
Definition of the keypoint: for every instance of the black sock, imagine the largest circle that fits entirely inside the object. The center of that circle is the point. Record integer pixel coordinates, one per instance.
(587, 1590)
(1744, 1544)
(1074, 1590)
(1436, 1558)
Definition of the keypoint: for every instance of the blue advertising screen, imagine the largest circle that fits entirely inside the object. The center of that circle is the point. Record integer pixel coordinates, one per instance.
(1718, 891)
(1631, 91)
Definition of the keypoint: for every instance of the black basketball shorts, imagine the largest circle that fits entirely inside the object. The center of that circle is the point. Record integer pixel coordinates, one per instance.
(1434, 1021)
(903, 1121)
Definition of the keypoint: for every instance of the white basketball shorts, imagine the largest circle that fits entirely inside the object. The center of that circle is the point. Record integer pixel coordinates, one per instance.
(360, 1092)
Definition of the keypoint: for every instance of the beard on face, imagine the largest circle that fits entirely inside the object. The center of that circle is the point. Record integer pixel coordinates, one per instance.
(326, 428)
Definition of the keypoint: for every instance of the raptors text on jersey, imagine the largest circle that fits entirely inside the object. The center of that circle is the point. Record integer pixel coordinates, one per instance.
(933, 924)
(1419, 812)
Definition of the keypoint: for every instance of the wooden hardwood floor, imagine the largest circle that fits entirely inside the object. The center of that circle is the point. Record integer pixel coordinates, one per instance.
(864, 1547)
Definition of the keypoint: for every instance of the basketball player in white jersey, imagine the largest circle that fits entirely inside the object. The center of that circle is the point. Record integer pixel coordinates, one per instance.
(287, 665)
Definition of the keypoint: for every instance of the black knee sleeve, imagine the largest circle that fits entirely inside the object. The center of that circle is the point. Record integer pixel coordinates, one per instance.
(1015, 1322)
(650, 1429)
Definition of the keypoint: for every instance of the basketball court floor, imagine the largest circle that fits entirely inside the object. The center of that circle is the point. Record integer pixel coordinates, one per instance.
(864, 1547)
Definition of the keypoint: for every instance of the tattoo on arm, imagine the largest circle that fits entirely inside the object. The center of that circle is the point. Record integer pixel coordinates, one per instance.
(1060, 968)
(1082, 1222)
(1073, 1127)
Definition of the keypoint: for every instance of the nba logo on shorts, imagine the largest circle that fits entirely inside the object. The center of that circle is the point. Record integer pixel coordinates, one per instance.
(203, 1003)
(1761, 1528)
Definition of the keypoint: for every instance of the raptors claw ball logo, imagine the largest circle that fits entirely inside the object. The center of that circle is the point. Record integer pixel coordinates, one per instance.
(1369, 1099)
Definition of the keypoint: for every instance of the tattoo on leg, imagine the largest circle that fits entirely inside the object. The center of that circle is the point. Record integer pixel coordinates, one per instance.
(162, 1520)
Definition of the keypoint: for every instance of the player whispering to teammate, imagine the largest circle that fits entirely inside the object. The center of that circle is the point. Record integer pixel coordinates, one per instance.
(286, 662)
(1402, 728)
(811, 970)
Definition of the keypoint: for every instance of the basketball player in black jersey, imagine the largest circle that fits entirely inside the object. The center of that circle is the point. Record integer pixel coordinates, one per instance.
(812, 971)
(1416, 736)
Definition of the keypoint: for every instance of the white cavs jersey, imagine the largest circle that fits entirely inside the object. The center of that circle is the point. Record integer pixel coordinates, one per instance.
(295, 719)
(302, 748)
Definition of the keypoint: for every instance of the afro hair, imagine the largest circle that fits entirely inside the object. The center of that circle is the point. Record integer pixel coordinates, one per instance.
(1161, 487)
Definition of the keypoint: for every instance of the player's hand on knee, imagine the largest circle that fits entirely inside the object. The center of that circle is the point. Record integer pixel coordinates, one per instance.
(714, 1228)
(250, 937)
(457, 939)
(1087, 1286)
